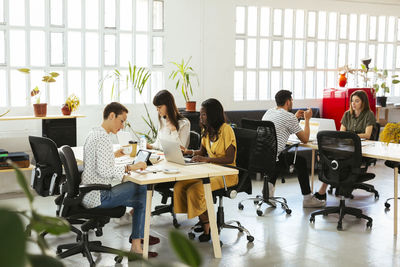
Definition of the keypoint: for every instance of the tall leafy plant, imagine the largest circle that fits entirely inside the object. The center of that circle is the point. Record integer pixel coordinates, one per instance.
(137, 78)
(182, 75)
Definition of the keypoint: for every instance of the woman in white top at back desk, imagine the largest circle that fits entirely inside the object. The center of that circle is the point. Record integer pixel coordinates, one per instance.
(173, 126)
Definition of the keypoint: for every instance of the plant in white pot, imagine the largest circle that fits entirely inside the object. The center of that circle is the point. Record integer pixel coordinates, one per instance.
(182, 75)
(40, 109)
(381, 87)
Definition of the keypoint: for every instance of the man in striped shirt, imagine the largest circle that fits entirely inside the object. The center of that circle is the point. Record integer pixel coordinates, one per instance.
(286, 123)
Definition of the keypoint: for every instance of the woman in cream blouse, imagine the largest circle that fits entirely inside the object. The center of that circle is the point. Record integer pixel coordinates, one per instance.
(173, 126)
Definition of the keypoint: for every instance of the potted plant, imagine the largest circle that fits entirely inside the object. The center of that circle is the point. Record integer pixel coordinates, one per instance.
(71, 104)
(182, 76)
(380, 83)
(391, 133)
(40, 109)
(137, 78)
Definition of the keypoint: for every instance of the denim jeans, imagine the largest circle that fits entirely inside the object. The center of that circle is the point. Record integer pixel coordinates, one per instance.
(128, 194)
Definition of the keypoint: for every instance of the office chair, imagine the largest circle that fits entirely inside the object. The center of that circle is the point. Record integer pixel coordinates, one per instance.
(366, 162)
(391, 164)
(245, 141)
(340, 165)
(165, 189)
(264, 162)
(47, 177)
(93, 219)
(47, 174)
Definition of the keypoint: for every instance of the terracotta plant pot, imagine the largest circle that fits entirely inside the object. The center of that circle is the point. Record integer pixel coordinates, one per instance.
(65, 110)
(40, 110)
(191, 106)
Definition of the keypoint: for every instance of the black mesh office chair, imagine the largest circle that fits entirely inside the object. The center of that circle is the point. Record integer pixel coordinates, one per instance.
(93, 219)
(264, 162)
(340, 165)
(245, 141)
(165, 189)
(366, 162)
(47, 174)
(391, 164)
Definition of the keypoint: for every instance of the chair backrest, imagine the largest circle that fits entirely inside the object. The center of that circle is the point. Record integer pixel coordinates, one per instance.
(375, 132)
(71, 170)
(245, 141)
(195, 140)
(266, 146)
(339, 158)
(48, 169)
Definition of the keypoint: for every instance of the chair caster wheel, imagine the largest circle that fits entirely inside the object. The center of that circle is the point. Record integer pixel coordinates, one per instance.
(288, 211)
(240, 230)
(259, 213)
(376, 196)
(59, 251)
(369, 224)
(240, 206)
(256, 202)
(220, 243)
(312, 220)
(118, 259)
(175, 223)
(387, 205)
(250, 238)
(339, 227)
(191, 236)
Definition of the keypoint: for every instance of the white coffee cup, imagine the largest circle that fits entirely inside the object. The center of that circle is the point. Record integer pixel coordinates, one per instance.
(127, 149)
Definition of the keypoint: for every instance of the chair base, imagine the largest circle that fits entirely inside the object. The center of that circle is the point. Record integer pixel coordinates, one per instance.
(342, 210)
(221, 224)
(387, 205)
(85, 247)
(363, 186)
(265, 198)
(271, 201)
(164, 209)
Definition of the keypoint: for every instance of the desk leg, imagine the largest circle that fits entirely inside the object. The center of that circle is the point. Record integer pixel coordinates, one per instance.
(149, 197)
(212, 219)
(396, 183)
(312, 169)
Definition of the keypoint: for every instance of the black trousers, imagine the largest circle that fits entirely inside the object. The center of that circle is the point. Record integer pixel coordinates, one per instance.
(285, 160)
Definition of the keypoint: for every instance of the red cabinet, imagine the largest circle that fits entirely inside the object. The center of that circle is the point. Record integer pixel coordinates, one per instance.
(336, 101)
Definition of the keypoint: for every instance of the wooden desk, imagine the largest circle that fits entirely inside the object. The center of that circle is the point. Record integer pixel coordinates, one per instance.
(371, 149)
(200, 171)
(22, 169)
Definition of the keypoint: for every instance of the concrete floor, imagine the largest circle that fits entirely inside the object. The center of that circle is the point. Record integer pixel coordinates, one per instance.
(280, 239)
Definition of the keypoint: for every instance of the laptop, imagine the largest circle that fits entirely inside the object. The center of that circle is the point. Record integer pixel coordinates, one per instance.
(316, 125)
(173, 153)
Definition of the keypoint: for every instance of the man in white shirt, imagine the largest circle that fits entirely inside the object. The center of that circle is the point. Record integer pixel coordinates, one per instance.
(286, 123)
(100, 168)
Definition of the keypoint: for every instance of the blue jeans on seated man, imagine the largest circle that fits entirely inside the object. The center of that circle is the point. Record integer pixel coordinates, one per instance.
(128, 194)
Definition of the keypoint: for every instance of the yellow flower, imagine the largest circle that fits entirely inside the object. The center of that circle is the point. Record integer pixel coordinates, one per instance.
(72, 102)
(391, 133)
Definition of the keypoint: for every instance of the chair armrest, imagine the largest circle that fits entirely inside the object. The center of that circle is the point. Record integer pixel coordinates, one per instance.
(288, 147)
(241, 181)
(85, 188)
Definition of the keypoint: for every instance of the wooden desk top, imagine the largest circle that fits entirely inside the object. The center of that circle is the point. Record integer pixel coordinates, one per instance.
(372, 149)
(48, 117)
(22, 169)
(186, 172)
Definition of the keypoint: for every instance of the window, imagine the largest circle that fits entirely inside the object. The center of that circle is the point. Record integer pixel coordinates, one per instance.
(82, 40)
(300, 50)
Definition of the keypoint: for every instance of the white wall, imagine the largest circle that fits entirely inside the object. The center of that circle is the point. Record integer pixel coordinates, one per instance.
(204, 30)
